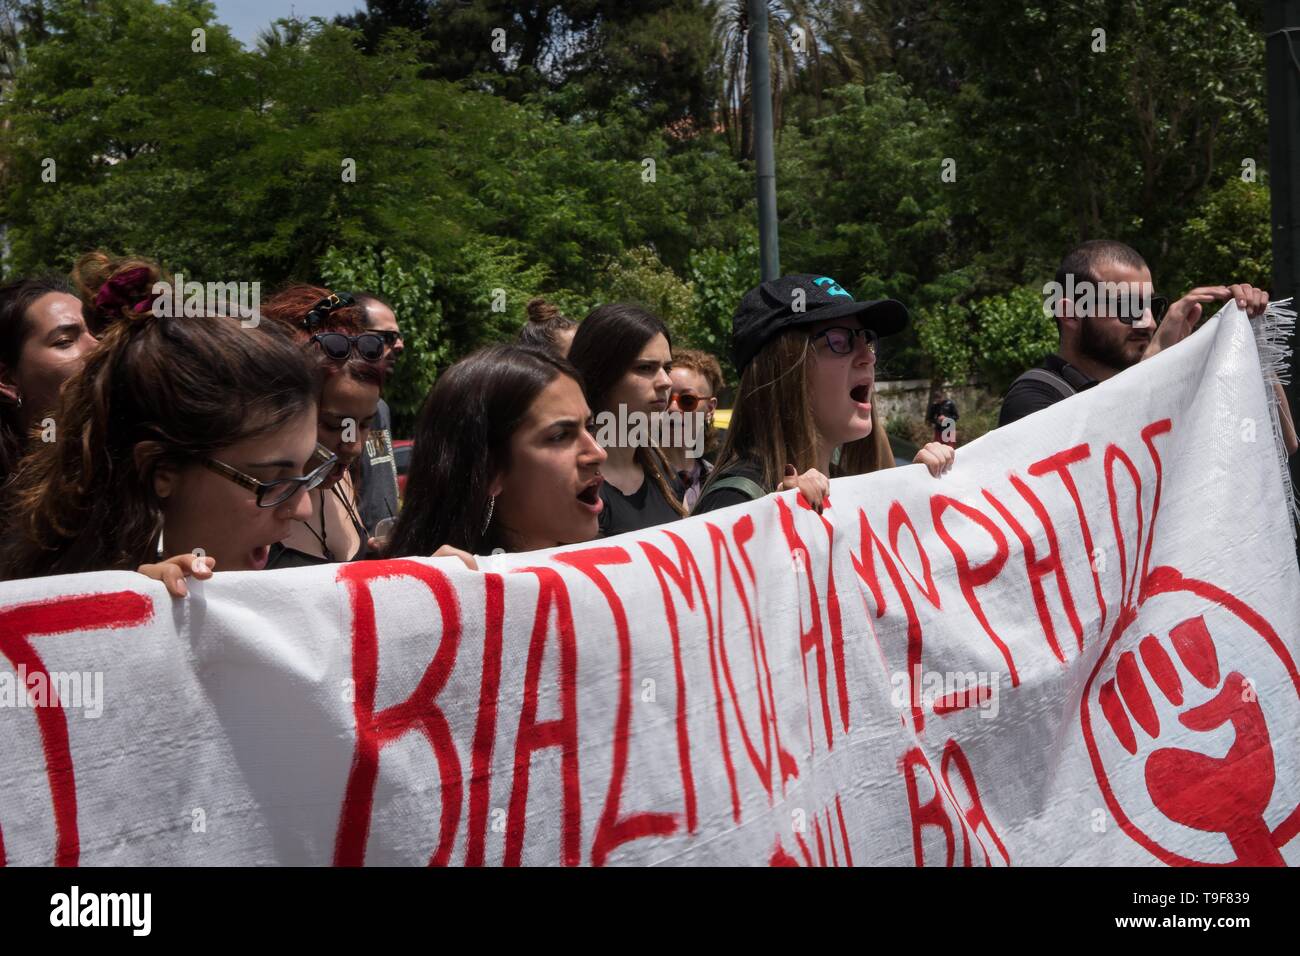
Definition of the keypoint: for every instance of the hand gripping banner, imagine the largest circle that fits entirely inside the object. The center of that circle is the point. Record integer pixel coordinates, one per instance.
(1078, 647)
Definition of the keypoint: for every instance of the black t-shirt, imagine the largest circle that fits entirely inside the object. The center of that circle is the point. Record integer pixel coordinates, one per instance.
(1027, 396)
(644, 508)
(715, 498)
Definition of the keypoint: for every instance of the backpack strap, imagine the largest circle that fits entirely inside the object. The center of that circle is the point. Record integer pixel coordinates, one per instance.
(746, 486)
(1051, 379)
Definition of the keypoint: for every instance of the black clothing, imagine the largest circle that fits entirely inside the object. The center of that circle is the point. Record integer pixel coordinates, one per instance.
(644, 508)
(282, 557)
(715, 498)
(1026, 396)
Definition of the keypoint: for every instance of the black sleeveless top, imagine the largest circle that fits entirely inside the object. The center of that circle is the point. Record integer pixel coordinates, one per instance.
(282, 557)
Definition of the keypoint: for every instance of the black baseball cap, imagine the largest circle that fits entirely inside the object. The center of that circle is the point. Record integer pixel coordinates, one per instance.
(770, 308)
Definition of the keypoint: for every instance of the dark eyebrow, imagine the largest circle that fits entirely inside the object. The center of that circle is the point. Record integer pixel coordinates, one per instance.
(564, 423)
(67, 327)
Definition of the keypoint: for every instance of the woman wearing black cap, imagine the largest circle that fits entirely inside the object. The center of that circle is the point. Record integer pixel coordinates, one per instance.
(806, 352)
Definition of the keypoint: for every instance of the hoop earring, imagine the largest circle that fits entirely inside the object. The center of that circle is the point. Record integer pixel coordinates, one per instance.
(488, 520)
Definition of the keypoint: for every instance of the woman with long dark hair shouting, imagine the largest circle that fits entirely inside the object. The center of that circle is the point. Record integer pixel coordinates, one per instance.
(504, 459)
(43, 343)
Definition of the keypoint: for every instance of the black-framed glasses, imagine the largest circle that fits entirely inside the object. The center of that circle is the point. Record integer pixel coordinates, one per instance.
(277, 492)
(390, 336)
(369, 345)
(840, 339)
(321, 310)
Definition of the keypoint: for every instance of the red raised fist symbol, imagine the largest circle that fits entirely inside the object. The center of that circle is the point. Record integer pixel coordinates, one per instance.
(1167, 712)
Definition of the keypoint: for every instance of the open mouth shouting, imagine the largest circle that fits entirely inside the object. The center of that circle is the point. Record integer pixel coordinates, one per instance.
(589, 496)
(861, 395)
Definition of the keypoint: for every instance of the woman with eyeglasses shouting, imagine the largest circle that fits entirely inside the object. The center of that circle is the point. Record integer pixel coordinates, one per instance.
(331, 328)
(182, 446)
(806, 353)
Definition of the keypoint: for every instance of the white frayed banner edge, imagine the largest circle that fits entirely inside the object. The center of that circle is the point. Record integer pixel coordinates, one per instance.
(1273, 332)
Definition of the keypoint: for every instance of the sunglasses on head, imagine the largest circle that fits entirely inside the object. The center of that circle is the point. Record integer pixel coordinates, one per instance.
(273, 493)
(369, 345)
(321, 310)
(840, 339)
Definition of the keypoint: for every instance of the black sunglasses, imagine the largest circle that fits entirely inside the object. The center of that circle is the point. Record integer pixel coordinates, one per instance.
(1159, 306)
(369, 345)
(321, 310)
(1132, 307)
(390, 337)
(272, 493)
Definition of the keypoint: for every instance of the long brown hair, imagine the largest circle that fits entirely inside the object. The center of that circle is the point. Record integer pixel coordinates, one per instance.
(156, 391)
(772, 423)
(606, 344)
(462, 442)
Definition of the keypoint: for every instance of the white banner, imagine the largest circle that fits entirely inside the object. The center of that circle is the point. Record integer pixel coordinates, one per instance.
(1078, 648)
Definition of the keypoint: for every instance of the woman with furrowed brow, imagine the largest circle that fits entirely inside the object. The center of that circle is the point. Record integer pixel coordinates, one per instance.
(504, 460)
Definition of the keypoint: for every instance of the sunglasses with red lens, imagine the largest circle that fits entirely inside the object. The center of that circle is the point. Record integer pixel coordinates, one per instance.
(686, 401)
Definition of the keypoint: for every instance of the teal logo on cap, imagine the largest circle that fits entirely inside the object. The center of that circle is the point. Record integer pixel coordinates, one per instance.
(832, 287)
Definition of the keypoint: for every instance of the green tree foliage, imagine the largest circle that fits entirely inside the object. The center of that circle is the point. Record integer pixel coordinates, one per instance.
(1011, 333)
(720, 277)
(1065, 141)
(942, 152)
(652, 60)
(1226, 238)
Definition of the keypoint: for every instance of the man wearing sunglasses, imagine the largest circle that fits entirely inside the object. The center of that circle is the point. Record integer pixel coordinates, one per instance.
(378, 484)
(1109, 318)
